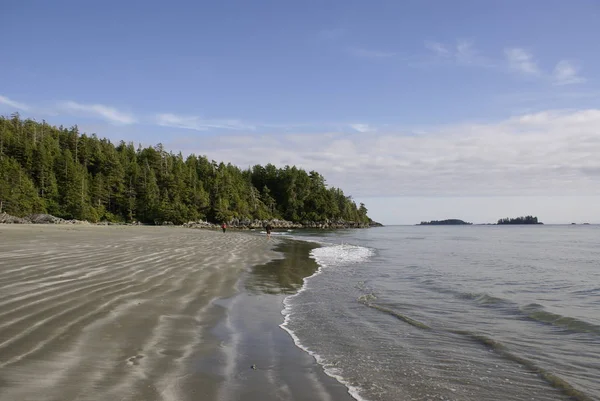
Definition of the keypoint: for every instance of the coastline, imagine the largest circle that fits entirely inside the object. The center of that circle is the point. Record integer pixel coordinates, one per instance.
(265, 363)
(117, 312)
(235, 224)
(104, 313)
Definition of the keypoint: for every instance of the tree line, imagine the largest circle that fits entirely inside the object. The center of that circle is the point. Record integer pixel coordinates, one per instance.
(59, 171)
(519, 220)
(447, 222)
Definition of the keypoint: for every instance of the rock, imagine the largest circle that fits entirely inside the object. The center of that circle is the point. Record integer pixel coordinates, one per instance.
(6, 218)
(200, 224)
(49, 219)
(37, 218)
(44, 219)
(248, 224)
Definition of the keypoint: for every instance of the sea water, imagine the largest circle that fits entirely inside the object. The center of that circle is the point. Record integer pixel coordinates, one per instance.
(454, 313)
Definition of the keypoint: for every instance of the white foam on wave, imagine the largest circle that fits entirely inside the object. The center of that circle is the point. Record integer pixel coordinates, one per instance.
(341, 255)
(278, 232)
(327, 257)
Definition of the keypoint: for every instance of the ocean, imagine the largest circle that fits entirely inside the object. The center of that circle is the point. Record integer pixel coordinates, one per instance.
(454, 312)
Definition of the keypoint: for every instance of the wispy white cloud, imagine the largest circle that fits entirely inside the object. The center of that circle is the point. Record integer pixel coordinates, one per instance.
(114, 116)
(465, 51)
(462, 53)
(368, 53)
(108, 113)
(362, 127)
(547, 153)
(200, 124)
(437, 48)
(521, 61)
(14, 104)
(566, 73)
(516, 59)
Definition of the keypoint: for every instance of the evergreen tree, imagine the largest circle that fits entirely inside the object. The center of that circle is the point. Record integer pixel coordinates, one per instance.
(72, 175)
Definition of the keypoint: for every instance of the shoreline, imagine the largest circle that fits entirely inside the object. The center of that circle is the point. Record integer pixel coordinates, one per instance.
(104, 313)
(152, 313)
(265, 362)
(351, 390)
(234, 224)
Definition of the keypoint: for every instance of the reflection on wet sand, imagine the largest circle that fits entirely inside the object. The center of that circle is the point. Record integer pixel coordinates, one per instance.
(258, 359)
(284, 276)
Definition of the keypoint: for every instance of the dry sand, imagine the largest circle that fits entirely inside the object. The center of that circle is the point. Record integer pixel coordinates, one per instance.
(144, 313)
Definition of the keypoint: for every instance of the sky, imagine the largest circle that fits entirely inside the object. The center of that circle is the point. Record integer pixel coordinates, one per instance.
(421, 109)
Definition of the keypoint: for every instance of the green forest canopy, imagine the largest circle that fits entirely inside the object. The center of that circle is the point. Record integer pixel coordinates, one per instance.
(45, 169)
(448, 222)
(520, 220)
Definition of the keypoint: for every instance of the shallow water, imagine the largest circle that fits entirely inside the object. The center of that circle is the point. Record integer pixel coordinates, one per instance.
(250, 337)
(455, 313)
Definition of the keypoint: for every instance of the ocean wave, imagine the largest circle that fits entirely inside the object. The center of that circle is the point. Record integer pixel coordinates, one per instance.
(537, 313)
(341, 255)
(553, 380)
(367, 301)
(483, 298)
(493, 345)
(534, 312)
(587, 292)
(327, 256)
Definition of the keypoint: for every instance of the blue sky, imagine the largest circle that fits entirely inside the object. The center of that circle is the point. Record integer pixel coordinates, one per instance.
(450, 102)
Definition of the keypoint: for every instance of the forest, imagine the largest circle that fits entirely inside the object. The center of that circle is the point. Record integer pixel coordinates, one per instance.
(448, 222)
(520, 220)
(72, 175)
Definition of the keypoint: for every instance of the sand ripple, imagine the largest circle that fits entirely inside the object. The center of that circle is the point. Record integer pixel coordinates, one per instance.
(119, 313)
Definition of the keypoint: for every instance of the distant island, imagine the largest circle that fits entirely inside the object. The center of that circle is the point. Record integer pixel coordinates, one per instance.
(520, 220)
(448, 222)
(457, 222)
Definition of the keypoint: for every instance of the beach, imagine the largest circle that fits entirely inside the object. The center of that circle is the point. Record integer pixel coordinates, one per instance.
(151, 313)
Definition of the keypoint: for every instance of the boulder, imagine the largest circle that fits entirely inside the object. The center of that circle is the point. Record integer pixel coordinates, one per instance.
(45, 219)
(6, 218)
(200, 224)
(49, 219)
(246, 224)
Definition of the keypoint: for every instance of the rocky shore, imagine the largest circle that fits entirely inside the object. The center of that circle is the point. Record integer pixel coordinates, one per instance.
(37, 219)
(247, 224)
(240, 224)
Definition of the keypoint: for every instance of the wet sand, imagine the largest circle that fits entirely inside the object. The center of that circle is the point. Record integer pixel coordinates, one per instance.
(150, 313)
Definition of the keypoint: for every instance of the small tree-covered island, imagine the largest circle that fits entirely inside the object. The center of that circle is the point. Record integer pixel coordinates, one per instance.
(58, 171)
(457, 222)
(448, 222)
(520, 220)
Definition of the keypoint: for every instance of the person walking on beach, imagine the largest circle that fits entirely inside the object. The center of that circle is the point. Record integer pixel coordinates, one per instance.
(224, 226)
(268, 228)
